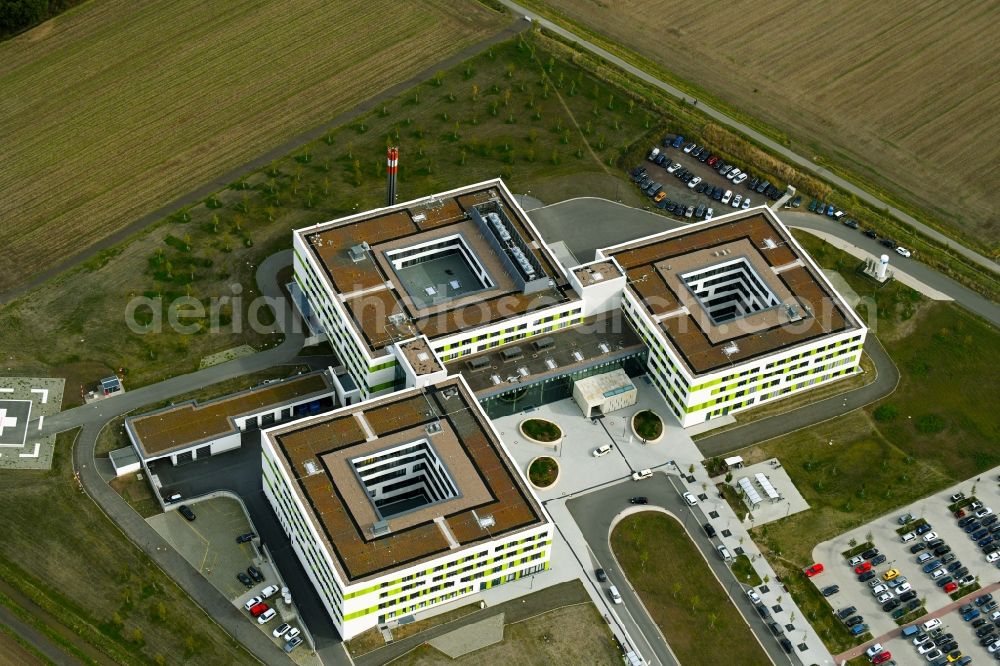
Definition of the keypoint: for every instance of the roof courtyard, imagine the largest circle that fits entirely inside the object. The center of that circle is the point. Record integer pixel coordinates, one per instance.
(434, 266)
(333, 459)
(731, 290)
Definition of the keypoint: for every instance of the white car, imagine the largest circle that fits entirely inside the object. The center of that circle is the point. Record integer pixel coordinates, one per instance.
(933, 655)
(905, 587)
(642, 474)
(855, 561)
(691, 146)
(746, 203)
(882, 598)
(693, 182)
(673, 167)
(994, 616)
(292, 633)
(909, 536)
(875, 581)
(267, 616)
(873, 650)
(602, 450)
(269, 591)
(937, 573)
(740, 178)
(896, 582)
(930, 536)
(993, 647)
(993, 557)
(251, 602)
(931, 624)
(281, 629)
(903, 251)
(732, 174)
(737, 200)
(709, 214)
(879, 589)
(690, 499)
(925, 647)
(982, 513)
(727, 196)
(755, 598)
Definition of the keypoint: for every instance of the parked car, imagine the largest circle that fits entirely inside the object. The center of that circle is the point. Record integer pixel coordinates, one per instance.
(909, 536)
(863, 567)
(245, 579)
(867, 576)
(694, 182)
(814, 570)
(917, 547)
(639, 500)
(292, 644)
(269, 591)
(903, 251)
(258, 609)
(678, 141)
(255, 573)
(930, 536)
(878, 559)
(251, 602)
(846, 612)
(746, 203)
(870, 553)
(244, 538)
(854, 621)
(870, 233)
(739, 178)
(602, 450)
(267, 616)
(737, 200)
(186, 512)
(727, 196)
(830, 590)
(858, 629)
(281, 629)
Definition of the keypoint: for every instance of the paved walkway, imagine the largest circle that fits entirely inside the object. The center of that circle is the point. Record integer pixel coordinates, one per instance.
(764, 140)
(940, 612)
(36, 639)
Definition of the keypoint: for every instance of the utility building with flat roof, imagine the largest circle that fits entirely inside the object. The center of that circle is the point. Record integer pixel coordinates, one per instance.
(604, 393)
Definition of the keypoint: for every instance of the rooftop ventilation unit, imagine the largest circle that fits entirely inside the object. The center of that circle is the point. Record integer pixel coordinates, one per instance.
(578, 355)
(485, 522)
(419, 217)
(496, 380)
(358, 252)
(397, 318)
(433, 428)
(523, 371)
(551, 364)
(449, 393)
(769, 244)
(544, 343)
(380, 528)
(311, 467)
(604, 348)
(730, 349)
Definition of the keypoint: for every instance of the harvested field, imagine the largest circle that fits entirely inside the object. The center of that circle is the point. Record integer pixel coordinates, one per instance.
(114, 109)
(900, 96)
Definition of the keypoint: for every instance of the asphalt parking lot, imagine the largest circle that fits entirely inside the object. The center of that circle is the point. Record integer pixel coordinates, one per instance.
(678, 191)
(883, 531)
(209, 542)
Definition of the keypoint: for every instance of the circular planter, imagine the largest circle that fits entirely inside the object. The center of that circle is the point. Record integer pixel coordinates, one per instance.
(542, 469)
(541, 431)
(655, 425)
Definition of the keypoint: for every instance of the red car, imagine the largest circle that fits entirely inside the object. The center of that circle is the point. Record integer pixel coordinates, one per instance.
(960, 514)
(882, 657)
(950, 587)
(863, 567)
(712, 161)
(257, 610)
(816, 569)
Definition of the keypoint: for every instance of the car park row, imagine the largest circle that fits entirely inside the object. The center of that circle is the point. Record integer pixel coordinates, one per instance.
(257, 607)
(723, 195)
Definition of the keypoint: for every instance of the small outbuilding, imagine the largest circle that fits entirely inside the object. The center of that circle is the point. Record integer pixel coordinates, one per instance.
(604, 393)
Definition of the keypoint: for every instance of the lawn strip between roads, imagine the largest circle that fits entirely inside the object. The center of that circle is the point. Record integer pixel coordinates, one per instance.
(681, 593)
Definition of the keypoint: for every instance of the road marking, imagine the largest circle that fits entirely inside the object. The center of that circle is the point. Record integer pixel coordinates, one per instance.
(34, 454)
(6, 390)
(41, 419)
(44, 392)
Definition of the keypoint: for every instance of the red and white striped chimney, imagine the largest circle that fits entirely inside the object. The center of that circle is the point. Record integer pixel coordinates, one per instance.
(392, 164)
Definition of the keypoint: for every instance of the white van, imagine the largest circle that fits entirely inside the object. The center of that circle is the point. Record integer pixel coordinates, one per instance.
(602, 450)
(642, 474)
(613, 593)
(724, 553)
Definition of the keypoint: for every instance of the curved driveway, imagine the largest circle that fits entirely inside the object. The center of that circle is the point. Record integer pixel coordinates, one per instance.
(596, 512)
(93, 417)
(772, 145)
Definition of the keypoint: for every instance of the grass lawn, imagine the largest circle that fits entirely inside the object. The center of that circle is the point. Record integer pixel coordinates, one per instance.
(647, 424)
(543, 471)
(693, 611)
(918, 440)
(575, 634)
(542, 430)
(176, 95)
(744, 571)
(372, 639)
(68, 565)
